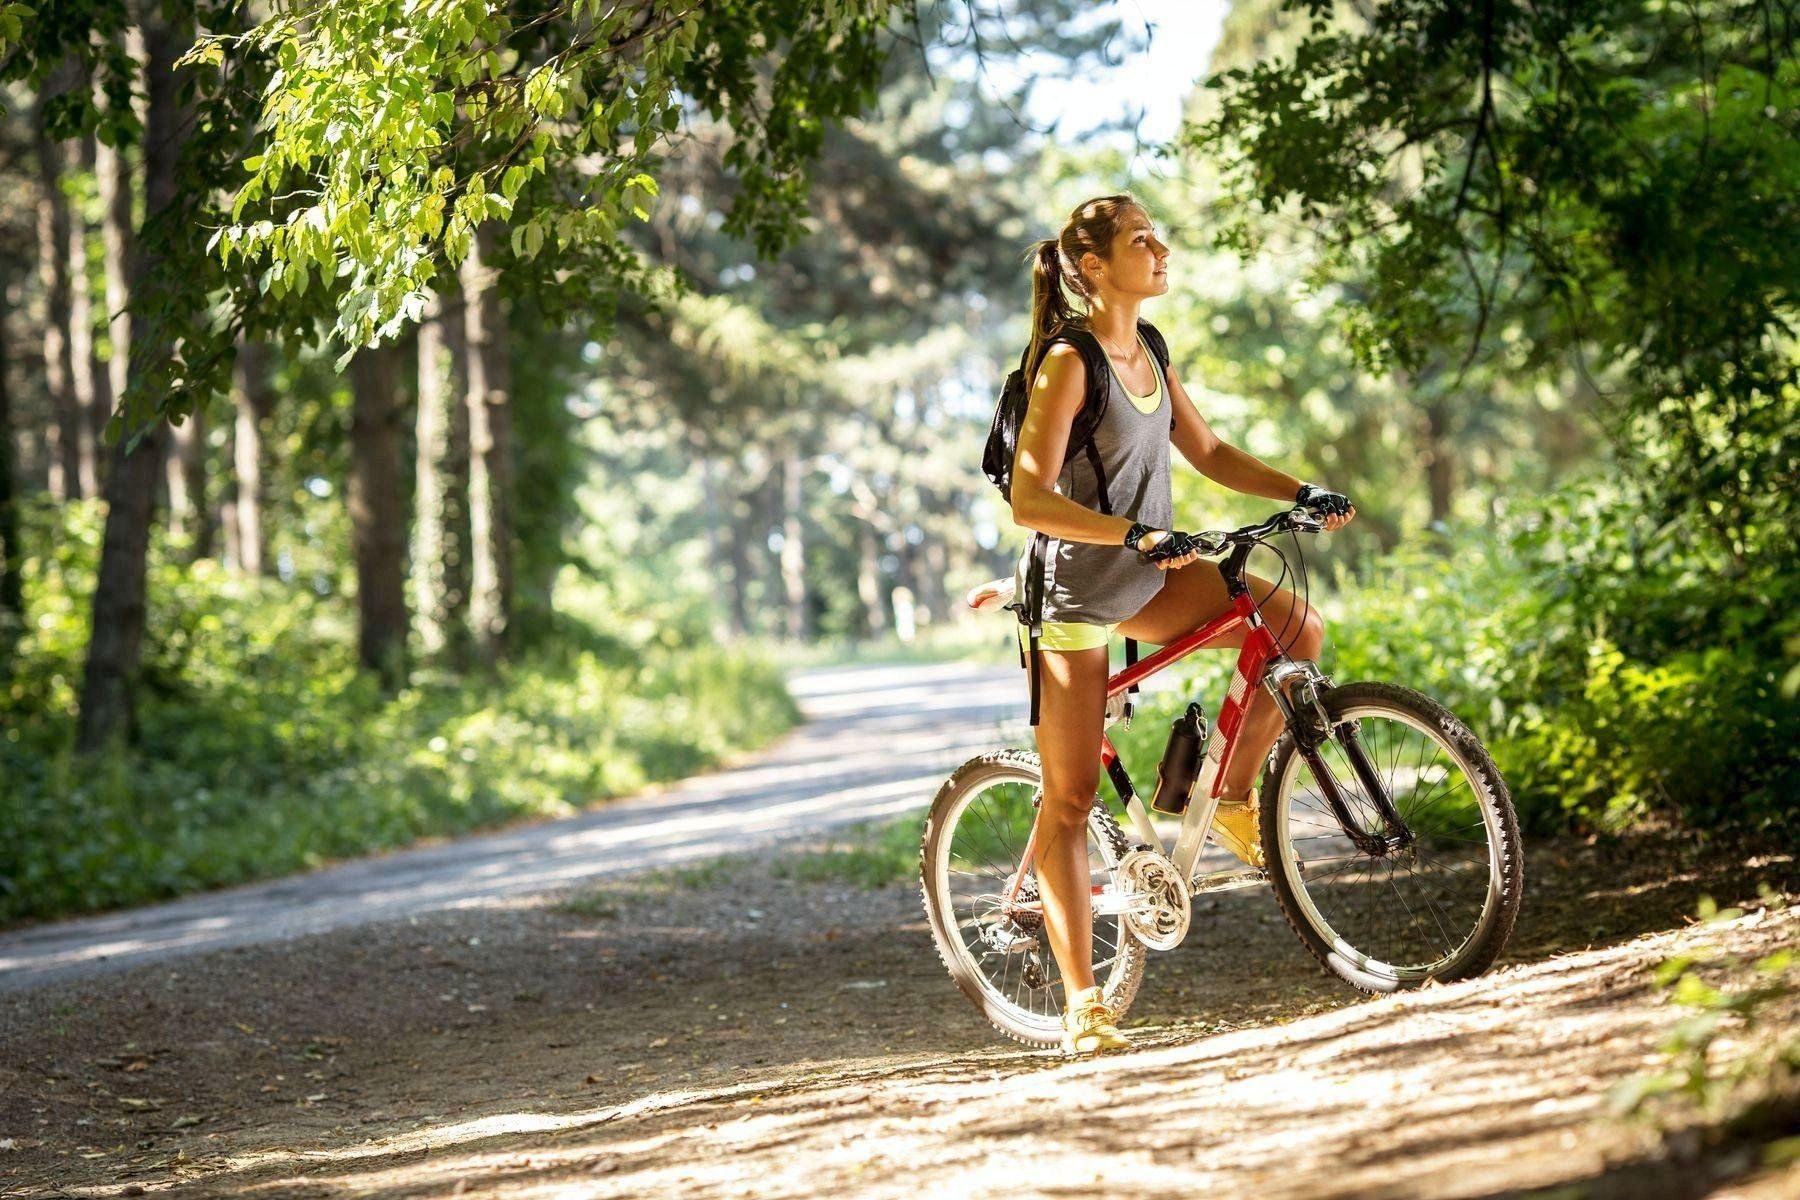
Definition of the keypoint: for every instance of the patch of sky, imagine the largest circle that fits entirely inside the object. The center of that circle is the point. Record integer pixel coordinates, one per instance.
(1133, 100)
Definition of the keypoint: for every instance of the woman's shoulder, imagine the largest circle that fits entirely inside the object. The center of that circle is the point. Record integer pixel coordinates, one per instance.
(1063, 371)
(1073, 344)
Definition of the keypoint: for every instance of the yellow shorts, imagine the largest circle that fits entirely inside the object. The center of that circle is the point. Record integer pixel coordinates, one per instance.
(1067, 635)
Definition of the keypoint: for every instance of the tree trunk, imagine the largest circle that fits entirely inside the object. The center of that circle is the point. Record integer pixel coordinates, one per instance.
(710, 518)
(61, 431)
(933, 583)
(793, 547)
(12, 555)
(119, 601)
(253, 401)
(440, 524)
(91, 386)
(738, 522)
(378, 513)
(490, 450)
(868, 580)
(115, 646)
(190, 516)
(112, 172)
(907, 580)
(1440, 461)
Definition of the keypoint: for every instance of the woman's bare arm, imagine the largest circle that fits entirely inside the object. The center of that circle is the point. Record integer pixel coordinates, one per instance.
(1057, 394)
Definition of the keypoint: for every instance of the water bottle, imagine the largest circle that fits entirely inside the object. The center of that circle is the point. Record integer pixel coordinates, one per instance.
(1180, 762)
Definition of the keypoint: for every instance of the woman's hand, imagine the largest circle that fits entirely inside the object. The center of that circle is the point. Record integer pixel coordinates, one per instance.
(1333, 508)
(1169, 549)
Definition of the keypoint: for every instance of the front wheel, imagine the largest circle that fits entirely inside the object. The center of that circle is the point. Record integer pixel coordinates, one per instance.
(1425, 886)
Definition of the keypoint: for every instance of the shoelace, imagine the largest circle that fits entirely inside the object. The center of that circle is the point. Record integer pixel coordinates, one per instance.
(1092, 1013)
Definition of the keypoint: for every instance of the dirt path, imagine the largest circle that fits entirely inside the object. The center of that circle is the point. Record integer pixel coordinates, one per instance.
(743, 1034)
(876, 742)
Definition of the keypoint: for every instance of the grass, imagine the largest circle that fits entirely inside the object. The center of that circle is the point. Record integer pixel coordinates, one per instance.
(871, 855)
(706, 873)
(599, 906)
(264, 749)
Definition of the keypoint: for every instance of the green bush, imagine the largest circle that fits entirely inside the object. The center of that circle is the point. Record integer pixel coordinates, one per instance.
(263, 749)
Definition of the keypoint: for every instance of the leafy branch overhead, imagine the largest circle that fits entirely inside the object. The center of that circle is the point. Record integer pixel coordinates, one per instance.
(1606, 180)
(394, 129)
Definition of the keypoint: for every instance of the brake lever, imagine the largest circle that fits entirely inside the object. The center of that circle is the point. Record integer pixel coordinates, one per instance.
(1304, 520)
(1211, 542)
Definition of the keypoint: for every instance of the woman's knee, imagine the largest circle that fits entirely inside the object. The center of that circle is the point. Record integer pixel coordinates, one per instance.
(1312, 633)
(1305, 630)
(1067, 806)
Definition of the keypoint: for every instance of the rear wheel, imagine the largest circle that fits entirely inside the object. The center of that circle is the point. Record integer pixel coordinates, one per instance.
(975, 837)
(1387, 909)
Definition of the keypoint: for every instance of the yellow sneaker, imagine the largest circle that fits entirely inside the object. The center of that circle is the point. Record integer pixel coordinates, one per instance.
(1088, 1025)
(1235, 827)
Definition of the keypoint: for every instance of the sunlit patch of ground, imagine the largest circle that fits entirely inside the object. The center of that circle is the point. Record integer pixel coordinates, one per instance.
(737, 1032)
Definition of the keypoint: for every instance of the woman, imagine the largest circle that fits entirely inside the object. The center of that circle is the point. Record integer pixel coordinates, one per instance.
(1123, 572)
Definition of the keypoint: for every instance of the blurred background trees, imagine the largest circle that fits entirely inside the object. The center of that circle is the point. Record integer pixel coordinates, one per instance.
(409, 432)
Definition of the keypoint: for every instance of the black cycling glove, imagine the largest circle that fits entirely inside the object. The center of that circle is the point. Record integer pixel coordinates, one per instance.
(1176, 545)
(1312, 496)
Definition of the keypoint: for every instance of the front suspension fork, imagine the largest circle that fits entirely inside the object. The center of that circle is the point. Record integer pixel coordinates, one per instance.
(1310, 727)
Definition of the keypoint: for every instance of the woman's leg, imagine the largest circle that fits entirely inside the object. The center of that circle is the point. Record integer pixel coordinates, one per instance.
(1071, 715)
(1193, 595)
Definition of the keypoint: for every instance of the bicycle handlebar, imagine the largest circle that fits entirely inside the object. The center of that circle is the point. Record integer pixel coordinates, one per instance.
(1296, 519)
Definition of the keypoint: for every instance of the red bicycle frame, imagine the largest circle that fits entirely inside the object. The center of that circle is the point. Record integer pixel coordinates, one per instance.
(1258, 651)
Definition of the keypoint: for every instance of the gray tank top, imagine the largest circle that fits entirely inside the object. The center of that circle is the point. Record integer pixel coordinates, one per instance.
(1103, 585)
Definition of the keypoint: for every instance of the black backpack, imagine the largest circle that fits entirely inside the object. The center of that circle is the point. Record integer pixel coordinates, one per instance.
(1003, 445)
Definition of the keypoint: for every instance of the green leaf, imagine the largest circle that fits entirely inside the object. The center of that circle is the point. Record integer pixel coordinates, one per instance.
(1629, 1094)
(1776, 963)
(1671, 969)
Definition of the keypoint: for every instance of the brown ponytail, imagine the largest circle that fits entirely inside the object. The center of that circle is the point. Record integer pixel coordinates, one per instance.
(1056, 270)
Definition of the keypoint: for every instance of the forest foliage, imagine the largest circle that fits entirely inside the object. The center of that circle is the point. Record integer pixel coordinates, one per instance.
(425, 415)
(1607, 188)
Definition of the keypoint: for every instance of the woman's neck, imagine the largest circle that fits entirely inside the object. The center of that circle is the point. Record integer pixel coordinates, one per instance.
(1115, 320)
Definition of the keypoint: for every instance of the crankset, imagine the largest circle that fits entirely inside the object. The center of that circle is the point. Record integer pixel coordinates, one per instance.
(1162, 909)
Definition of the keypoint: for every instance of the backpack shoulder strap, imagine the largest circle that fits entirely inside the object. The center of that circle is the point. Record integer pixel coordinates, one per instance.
(1159, 350)
(1159, 345)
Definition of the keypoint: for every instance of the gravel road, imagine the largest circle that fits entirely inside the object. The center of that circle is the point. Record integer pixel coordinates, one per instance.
(876, 741)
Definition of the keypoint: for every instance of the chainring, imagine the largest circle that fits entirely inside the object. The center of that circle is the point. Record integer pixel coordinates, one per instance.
(1150, 874)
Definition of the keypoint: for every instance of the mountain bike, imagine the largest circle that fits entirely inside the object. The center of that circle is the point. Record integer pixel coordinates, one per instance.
(1387, 833)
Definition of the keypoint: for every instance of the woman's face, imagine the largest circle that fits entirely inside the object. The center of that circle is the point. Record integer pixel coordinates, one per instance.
(1138, 265)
